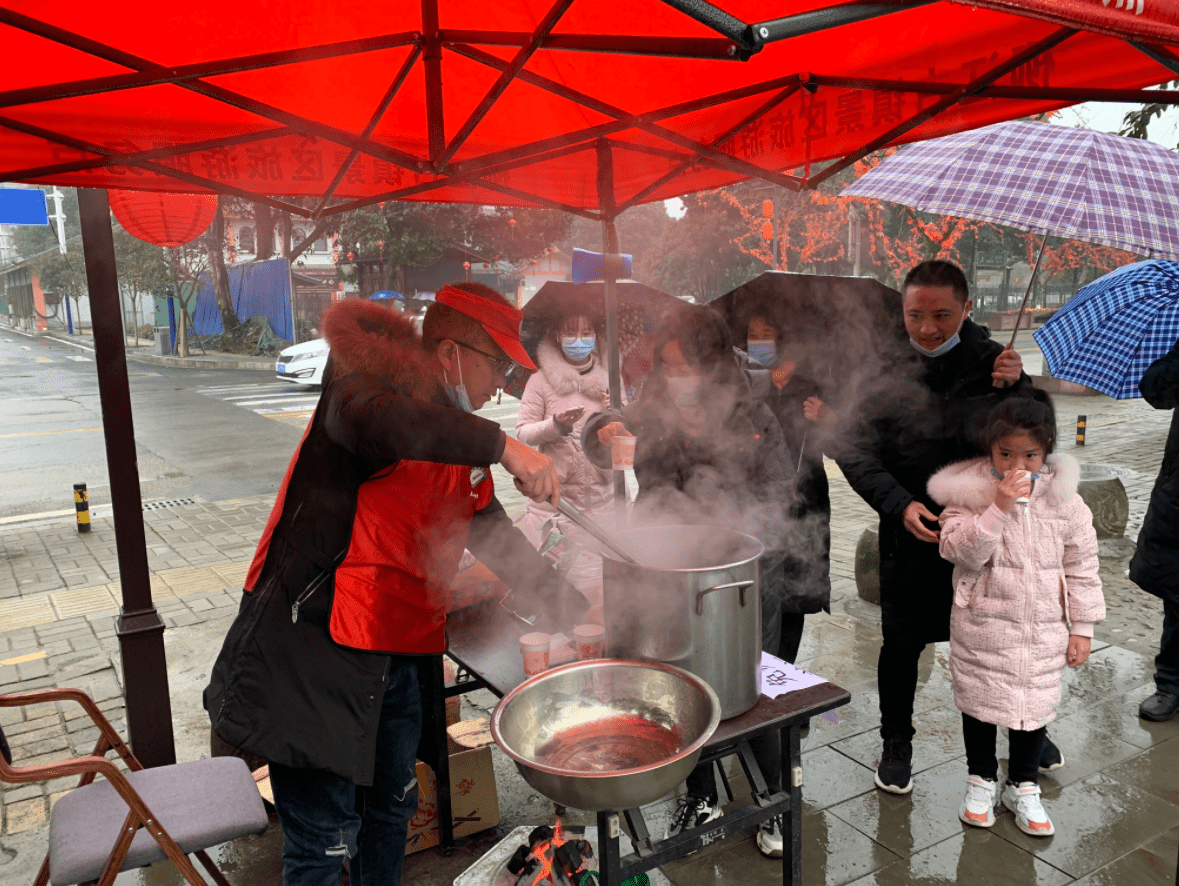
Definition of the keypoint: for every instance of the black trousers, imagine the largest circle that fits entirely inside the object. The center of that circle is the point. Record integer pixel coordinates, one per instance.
(767, 749)
(896, 677)
(1023, 762)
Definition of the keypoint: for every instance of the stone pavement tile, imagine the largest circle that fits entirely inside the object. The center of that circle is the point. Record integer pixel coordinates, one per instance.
(192, 580)
(234, 573)
(906, 825)
(1152, 864)
(1118, 718)
(16, 793)
(160, 590)
(829, 777)
(833, 853)
(82, 600)
(938, 739)
(1097, 821)
(1109, 672)
(23, 613)
(25, 816)
(972, 856)
(1155, 771)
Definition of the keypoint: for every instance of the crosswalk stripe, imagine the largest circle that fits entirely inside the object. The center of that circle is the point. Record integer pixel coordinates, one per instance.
(44, 359)
(275, 400)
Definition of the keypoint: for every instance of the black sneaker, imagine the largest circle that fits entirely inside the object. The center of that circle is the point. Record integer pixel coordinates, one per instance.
(1051, 758)
(692, 812)
(895, 772)
(1160, 707)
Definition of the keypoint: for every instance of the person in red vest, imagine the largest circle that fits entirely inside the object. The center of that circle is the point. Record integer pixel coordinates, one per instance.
(346, 596)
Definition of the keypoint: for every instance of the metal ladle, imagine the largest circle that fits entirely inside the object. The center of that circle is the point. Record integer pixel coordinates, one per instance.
(592, 527)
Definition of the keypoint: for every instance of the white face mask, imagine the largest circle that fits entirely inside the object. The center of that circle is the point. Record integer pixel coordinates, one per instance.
(685, 390)
(945, 347)
(458, 393)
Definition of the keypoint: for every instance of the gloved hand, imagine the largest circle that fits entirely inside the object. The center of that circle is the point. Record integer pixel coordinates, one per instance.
(559, 609)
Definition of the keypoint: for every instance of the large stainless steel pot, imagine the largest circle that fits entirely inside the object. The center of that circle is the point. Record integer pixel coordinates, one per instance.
(693, 603)
(606, 734)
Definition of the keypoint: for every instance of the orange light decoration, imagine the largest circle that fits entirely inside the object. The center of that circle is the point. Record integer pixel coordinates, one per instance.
(767, 208)
(767, 230)
(163, 219)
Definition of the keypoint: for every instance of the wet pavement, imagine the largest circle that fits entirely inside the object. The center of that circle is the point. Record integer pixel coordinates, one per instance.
(1115, 804)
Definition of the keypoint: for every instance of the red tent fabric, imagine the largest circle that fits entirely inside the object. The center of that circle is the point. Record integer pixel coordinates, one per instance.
(512, 102)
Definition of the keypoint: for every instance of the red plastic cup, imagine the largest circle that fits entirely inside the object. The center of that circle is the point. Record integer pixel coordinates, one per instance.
(535, 650)
(590, 641)
(622, 452)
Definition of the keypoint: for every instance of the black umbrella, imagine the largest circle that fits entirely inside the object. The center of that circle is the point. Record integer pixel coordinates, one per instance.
(843, 330)
(639, 309)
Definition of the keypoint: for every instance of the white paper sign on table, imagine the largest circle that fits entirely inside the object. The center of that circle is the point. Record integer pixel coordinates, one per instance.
(776, 677)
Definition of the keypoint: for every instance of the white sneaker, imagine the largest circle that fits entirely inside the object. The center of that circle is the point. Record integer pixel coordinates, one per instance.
(1024, 802)
(769, 837)
(978, 808)
(692, 812)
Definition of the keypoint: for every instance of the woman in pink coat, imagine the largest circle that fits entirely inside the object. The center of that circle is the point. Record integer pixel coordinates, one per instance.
(570, 385)
(1026, 595)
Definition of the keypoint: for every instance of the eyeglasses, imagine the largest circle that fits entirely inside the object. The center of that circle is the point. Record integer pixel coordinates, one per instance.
(502, 365)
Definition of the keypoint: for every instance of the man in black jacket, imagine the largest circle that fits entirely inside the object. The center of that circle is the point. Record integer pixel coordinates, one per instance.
(927, 415)
(1155, 566)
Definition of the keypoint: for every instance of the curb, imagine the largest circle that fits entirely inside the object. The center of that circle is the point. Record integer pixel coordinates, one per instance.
(192, 362)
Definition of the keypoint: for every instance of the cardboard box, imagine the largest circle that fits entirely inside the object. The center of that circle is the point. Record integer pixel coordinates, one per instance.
(473, 797)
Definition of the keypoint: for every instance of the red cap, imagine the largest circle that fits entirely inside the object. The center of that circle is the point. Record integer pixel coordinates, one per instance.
(502, 322)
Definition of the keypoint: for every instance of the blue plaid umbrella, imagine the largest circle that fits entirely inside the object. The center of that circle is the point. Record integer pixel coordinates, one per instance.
(1107, 334)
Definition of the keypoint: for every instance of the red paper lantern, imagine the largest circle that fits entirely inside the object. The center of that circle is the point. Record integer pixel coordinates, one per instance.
(163, 219)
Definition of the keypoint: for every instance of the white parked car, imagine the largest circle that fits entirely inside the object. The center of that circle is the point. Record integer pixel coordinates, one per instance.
(303, 363)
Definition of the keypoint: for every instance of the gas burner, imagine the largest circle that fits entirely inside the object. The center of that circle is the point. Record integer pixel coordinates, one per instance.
(514, 862)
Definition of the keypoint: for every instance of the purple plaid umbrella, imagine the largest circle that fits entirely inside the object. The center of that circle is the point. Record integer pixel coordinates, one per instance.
(1072, 183)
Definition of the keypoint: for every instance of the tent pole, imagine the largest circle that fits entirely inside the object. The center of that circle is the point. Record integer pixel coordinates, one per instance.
(610, 248)
(139, 627)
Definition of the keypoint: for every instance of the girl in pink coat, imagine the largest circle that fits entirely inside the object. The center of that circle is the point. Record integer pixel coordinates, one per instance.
(1026, 596)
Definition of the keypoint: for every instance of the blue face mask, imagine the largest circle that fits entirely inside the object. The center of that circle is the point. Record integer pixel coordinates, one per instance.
(458, 393)
(944, 348)
(578, 348)
(764, 351)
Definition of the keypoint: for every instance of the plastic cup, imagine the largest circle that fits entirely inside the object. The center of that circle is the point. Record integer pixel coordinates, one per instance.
(590, 641)
(1023, 499)
(535, 650)
(622, 452)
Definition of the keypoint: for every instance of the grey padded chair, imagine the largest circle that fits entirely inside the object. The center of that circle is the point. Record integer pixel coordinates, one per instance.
(133, 819)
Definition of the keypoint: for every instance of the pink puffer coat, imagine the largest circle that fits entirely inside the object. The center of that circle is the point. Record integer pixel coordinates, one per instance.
(558, 386)
(1022, 584)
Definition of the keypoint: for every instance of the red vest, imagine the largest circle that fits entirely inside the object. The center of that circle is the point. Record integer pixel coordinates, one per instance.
(408, 535)
(407, 539)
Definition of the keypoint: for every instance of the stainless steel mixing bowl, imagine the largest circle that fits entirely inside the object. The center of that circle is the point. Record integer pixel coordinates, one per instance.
(606, 734)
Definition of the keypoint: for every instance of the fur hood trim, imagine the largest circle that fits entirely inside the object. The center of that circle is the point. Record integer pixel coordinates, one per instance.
(365, 337)
(970, 484)
(564, 378)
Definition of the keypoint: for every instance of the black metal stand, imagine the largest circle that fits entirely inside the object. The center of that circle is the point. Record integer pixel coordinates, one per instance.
(615, 869)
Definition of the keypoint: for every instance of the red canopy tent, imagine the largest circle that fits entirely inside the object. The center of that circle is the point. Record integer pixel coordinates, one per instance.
(590, 106)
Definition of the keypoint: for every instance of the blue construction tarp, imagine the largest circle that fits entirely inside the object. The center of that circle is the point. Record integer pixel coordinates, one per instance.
(259, 289)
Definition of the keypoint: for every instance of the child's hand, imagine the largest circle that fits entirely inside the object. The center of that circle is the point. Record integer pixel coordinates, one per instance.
(1013, 485)
(1078, 650)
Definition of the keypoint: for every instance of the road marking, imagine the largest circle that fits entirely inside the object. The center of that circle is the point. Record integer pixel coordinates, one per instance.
(276, 400)
(21, 659)
(25, 348)
(4, 362)
(82, 359)
(41, 433)
(45, 360)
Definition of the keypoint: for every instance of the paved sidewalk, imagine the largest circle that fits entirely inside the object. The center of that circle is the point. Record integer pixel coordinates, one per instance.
(59, 592)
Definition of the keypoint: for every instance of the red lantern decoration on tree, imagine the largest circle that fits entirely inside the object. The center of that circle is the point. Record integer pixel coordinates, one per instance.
(163, 219)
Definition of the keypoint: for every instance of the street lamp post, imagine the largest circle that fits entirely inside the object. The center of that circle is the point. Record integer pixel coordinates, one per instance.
(467, 270)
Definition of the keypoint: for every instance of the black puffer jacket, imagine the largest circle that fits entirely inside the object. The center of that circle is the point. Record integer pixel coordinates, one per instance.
(808, 548)
(1155, 565)
(926, 413)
